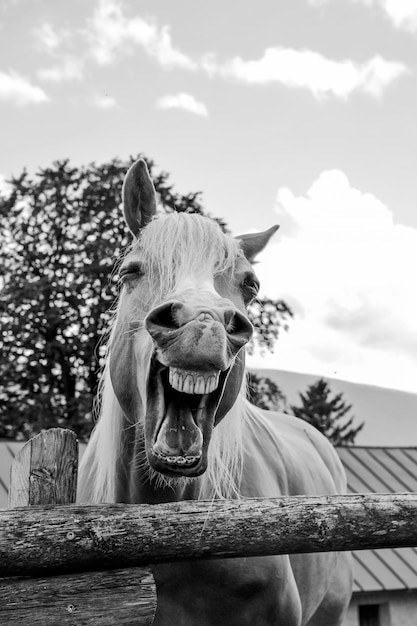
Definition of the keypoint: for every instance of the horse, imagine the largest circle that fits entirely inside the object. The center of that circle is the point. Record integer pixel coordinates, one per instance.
(175, 423)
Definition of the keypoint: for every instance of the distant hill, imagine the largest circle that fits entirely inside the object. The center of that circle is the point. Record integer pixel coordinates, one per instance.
(390, 416)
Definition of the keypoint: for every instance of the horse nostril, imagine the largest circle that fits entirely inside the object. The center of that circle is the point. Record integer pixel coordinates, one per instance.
(173, 315)
(237, 326)
(228, 317)
(165, 316)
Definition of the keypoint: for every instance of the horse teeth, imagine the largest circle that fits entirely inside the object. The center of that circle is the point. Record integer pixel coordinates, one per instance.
(190, 460)
(173, 376)
(188, 386)
(212, 383)
(200, 386)
(175, 379)
(193, 382)
(177, 460)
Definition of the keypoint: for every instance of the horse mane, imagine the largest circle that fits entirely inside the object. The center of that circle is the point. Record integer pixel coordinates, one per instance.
(171, 247)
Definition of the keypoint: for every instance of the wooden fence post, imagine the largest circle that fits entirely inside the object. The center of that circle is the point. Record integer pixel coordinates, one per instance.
(45, 469)
(44, 472)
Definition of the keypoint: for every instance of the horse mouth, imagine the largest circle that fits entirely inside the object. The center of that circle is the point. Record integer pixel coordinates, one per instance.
(181, 413)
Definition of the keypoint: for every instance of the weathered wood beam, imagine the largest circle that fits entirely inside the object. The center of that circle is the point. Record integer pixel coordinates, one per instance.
(40, 540)
(45, 469)
(124, 597)
(44, 472)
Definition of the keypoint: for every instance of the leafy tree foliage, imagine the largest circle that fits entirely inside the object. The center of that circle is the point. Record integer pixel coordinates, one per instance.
(61, 234)
(328, 414)
(268, 318)
(265, 393)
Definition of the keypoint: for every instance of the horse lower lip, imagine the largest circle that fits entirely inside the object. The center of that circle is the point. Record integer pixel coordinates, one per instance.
(177, 460)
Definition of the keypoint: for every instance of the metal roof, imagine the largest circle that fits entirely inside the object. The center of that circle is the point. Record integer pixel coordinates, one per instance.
(382, 470)
(369, 470)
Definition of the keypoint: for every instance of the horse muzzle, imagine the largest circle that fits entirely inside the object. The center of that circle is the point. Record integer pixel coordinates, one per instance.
(198, 338)
(195, 350)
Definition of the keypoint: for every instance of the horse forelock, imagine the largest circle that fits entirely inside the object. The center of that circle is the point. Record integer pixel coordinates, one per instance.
(170, 248)
(175, 246)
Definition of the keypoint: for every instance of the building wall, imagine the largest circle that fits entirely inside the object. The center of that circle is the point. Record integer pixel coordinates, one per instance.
(397, 608)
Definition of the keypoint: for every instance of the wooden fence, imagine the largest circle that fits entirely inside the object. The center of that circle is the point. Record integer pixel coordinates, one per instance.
(44, 478)
(70, 564)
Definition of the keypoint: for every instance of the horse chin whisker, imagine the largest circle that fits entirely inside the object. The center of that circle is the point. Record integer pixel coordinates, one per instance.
(134, 425)
(160, 481)
(139, 462)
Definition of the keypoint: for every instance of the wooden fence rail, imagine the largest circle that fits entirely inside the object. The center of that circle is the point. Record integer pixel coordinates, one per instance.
(92, 558)
(80, 538)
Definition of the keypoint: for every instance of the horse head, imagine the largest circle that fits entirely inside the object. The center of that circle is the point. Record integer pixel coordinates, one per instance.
(177, 353)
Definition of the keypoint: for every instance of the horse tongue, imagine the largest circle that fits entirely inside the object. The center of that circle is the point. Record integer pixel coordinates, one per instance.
(179, 435)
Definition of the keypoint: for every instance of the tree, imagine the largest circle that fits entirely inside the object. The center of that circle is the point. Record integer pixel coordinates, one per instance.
(265, 393)
(61, 234)
(268, 318)
(328, 414)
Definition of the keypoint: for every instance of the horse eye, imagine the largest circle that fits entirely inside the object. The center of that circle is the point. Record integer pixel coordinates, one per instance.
(134, 270)
(250, 289)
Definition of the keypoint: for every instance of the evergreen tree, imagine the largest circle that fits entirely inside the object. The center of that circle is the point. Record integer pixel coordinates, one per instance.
(61, 233)
(328, 414)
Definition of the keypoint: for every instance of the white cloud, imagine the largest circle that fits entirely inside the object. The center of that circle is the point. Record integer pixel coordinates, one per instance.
(111, 33)
(402, 13)
(68, 68)
(49, 38)
(18, 90)
(59, 46)
(104, 102)
(348, 271)
(183, 101)
(107, 36)
(310, 70)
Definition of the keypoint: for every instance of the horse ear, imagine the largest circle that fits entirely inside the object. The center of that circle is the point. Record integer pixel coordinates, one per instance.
(139, 197)
(253, 243)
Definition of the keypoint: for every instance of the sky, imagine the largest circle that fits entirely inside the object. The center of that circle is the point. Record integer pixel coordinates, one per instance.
(299, 113)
